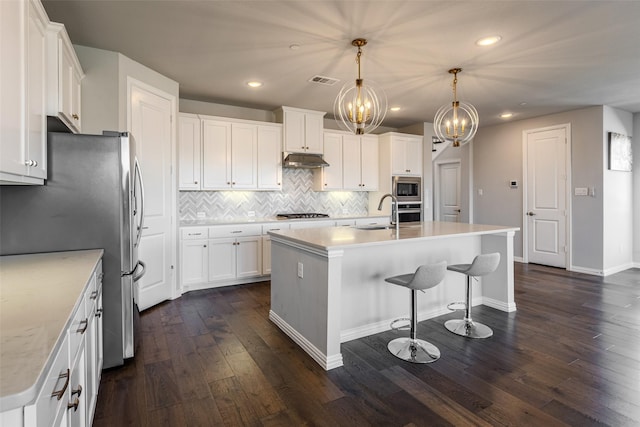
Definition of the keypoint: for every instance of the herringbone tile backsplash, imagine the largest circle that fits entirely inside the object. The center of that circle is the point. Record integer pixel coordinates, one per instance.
(296, 196)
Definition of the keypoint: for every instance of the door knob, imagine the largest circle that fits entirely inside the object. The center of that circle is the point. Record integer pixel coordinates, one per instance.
(530, 213)
(458, 210)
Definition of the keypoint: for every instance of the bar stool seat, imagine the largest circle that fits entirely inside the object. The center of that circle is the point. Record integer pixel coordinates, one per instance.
(410, 348)
(481, 266)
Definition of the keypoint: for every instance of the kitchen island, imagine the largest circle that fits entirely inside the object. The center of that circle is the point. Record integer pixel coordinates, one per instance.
(327, 284)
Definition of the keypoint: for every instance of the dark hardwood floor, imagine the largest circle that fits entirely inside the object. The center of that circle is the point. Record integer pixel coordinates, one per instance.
(570, 355)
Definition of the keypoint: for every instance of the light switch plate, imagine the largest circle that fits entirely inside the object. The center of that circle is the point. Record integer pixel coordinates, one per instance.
(300, 270)
(581, 191)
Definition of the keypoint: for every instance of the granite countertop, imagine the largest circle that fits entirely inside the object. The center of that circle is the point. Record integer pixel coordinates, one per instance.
(343, 237)
(38, 294)
(265, 220)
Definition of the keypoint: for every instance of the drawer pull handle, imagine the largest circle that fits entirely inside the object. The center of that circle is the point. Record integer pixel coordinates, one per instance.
(99, 312)
(77, 391)
(236, 231)
(82, 329)
(94, 295)
(60, 393)
(101, 276)
(195, 234)
(74, 405)
(75, 116)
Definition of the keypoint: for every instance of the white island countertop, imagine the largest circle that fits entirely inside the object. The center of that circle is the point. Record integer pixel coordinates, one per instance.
(38, 294)
(343, 237)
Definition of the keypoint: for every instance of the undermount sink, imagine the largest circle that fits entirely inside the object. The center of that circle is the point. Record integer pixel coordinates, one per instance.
(373, 227)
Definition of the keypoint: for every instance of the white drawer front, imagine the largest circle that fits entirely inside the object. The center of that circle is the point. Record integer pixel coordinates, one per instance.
(195, 233)
(78, 328)
(235, 230)
(57, 383)
(275, 227)
(372, 221)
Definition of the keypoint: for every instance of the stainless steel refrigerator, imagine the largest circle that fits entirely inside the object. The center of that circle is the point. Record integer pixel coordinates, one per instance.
(93, 198)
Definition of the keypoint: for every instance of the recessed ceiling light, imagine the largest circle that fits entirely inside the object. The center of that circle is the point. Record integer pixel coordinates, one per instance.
(506, 115)
(294, 46)
(488, 41)
(394, 109)
(254, 84)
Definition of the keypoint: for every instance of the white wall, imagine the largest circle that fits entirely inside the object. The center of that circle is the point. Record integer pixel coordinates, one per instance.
(497, 158)
(617, 199)
(222, 110)
(636, 189)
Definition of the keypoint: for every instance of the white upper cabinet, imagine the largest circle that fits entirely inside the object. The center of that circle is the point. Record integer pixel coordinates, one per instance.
(270, 157)
(188, 152)
(64, 98)
(406, 154)
(232, 154)
(360, 157)
(353, 163)
(216, 155)
(302, 129)
(23, 90)
(330, 177)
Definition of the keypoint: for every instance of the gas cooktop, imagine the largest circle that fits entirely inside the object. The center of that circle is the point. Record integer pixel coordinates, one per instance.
(302, 215)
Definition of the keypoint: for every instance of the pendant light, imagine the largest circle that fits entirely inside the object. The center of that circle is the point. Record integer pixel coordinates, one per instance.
(360, 108)
(456, 122)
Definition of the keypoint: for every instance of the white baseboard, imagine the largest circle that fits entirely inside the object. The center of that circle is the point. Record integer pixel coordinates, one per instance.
(618, 269)
(334, 361)
(518, 259)
(499, 305)
(591, 271)
(384, 325)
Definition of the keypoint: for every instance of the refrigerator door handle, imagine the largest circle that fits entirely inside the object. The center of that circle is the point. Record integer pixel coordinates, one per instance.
(140, 226)
(138, 276)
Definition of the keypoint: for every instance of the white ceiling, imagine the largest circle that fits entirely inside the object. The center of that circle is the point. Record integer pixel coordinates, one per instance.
(554, 55)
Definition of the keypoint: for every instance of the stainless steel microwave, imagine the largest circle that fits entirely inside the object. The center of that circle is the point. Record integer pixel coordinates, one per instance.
(407, 188)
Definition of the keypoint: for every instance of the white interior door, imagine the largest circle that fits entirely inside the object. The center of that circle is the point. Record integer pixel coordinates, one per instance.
(546, 204)
(151, 124)
(449, 191)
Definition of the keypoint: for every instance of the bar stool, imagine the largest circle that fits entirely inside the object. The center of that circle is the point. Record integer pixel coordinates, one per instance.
(410, 348)
(481, 266)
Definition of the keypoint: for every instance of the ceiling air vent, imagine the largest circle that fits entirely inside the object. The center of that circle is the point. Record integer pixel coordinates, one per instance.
(323, 80)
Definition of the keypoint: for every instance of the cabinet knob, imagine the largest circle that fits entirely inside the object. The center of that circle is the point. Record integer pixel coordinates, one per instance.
(325, 184)
(74, 405)
(99, 312)
(31, 163)
(77, 391)
(195, 182)
(228, 183)
(204, 246)
(75, 116)
(233, 183)
(407, 170)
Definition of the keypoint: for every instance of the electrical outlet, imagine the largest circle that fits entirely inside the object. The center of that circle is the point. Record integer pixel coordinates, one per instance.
(345, 210)
(251, 213)
(201, 215)
(300, 270)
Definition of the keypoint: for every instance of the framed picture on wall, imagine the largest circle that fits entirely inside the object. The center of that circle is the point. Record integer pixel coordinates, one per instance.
(620, 158)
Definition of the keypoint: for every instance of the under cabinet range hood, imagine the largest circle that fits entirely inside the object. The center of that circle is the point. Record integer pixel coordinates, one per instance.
(304, 160)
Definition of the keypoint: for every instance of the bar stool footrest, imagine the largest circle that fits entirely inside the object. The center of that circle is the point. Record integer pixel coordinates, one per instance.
(457, 306)
(406, 327)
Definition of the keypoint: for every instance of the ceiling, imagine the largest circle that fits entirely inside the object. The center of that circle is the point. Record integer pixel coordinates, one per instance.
(554, 55)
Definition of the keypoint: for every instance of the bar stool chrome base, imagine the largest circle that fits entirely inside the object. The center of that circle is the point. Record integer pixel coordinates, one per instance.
(414, 350)
(468, 328)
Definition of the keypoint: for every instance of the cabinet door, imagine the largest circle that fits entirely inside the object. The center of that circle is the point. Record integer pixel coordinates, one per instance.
(413, 153)
(269, 158)
(66, 82)
(369, 153)
(398, 156)
(77, 398)
(249, 256)
(244, 156)
(188, 152)
(266, 255)
(222, 259)
(12, 86)
(216, 155)
(351, 176)
(313, 133)
(294, 131)
(36, 155)
(332, 174)
(195, 260)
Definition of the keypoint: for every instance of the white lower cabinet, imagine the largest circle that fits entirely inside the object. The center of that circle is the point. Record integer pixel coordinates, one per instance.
(235, 258)
(69, 393)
